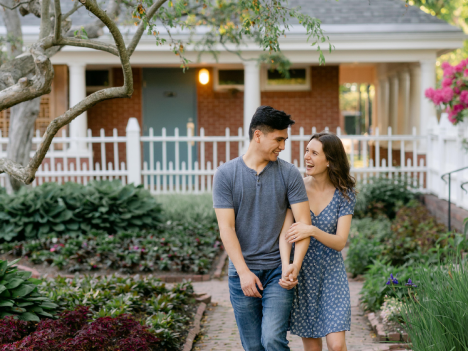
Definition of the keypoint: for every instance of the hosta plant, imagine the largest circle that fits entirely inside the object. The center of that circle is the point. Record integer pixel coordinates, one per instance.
(19, 295)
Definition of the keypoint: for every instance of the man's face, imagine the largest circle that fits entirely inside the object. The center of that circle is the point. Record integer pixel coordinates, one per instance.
(271, 144)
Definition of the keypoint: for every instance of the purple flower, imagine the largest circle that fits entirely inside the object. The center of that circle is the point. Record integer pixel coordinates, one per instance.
(388, 281)
(393, 279)
(410, 283)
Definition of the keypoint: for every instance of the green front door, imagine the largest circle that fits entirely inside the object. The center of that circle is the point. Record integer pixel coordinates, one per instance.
(169, 101)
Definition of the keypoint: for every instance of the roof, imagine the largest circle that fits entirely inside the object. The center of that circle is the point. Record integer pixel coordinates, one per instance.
(365, 12)
(328, 11)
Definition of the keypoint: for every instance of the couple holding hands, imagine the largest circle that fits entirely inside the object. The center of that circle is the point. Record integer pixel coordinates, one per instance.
(284, 235)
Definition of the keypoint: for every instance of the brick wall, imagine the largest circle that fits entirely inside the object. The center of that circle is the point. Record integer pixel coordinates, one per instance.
(318, 107)
(115, 113)
(439, 208)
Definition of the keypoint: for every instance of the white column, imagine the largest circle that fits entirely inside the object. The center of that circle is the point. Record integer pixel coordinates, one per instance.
(252, 98)
(393, 110)
(428, 80)
(415, 98)
(133, 152)
(383, 105)
(403, 102)
(79, 125)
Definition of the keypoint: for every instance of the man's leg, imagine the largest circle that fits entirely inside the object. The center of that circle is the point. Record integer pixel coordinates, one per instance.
(277, 304)
(248, 312)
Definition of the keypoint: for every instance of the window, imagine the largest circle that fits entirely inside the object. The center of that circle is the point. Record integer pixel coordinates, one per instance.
(226, 79)
(97, 79)
(299, 79)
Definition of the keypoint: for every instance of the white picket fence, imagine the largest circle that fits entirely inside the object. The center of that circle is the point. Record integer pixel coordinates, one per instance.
(121, 157)
(448, 151)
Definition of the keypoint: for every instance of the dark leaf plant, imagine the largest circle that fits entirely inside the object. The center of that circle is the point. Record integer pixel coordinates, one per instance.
(19, 296)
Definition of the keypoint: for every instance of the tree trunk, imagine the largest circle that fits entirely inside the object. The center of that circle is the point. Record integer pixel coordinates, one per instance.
(22, 119)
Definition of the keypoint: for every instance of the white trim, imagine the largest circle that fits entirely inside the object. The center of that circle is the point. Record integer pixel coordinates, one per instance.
(307, 86)
(221, 88)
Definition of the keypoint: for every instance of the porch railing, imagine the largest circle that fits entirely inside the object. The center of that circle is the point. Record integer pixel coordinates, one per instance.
(185, 163)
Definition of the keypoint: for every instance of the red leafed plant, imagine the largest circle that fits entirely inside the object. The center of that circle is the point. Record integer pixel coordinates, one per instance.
(72, 332)
(12, 329)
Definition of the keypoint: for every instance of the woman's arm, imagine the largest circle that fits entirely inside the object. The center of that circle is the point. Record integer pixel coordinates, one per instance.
(299, 231)
(284, 246)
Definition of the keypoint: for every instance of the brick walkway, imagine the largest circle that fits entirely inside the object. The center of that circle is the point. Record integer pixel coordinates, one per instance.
(220, 329)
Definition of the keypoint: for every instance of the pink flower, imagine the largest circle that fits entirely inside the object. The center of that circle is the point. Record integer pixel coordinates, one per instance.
(465, 74)
(449, 71)
(457, 108)
(446, 94)
(452, 118)
(447, 82)
(445, 65)
(459, 67)
(437, 97)
(429, 93)
(52, 249)
(456, 90)
(464, 97)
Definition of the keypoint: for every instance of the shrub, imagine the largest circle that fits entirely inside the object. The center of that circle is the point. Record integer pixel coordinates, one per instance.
(184, 247)
(391, 311)
(414, 230)
(188, 208)
(71, 331)
(366, 243)
(53, 209)
(436, 317)
(383, 196)
(19, 296)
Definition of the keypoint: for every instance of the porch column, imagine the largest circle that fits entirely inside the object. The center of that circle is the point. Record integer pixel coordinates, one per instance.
(383, 106)
(427, 110)
(79, 125)
(393, 108)
(403, 102)
(415, 97)
(252, 98)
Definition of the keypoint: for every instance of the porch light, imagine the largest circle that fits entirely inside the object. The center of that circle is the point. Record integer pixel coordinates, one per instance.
(204, 76)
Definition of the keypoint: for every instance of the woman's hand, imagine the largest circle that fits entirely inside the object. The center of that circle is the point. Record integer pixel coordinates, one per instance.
(299, 231)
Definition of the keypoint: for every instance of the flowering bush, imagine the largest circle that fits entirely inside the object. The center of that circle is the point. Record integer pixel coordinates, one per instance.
(391, 311)
(453, 94)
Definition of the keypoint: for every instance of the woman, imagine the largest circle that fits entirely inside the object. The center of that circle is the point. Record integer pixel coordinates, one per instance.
(321, 306)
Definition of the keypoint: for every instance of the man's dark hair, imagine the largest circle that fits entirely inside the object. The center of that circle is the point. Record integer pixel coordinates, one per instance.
(267, 119)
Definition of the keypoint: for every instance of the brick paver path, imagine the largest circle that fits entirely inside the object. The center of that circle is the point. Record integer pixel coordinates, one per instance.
(220, 330)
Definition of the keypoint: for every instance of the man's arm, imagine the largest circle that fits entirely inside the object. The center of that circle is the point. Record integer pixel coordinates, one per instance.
(227, 229)
(288, 280)
(301, 212)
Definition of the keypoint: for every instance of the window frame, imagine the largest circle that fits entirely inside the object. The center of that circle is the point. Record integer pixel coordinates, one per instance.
(93, 89)
(218, 87)
(285, 87)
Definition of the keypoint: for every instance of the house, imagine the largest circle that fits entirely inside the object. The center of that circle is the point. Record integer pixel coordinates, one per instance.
(382, 43)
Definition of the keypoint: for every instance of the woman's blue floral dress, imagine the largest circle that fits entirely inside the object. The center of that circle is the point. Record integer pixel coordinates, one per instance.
(322, 303)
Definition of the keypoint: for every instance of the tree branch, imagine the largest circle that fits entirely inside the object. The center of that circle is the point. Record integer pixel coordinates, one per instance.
(17, 5)
(91, 44)
(141, 28)
(46, 22)
(76, 6)
(58, 21)
(38, 85)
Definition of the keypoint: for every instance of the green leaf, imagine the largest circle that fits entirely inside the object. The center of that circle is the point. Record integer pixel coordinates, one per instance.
(18, 309)
(6, 303)
(29, 317)
(13, 262)
(24, 304)
(4, 314)
(48, 305)
(3, 267)
(46, 314)
(25, 275)
(35, 281)
(14, 283)
(22, 290)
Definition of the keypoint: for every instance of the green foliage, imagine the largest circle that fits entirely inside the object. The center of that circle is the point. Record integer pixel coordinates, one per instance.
(436, 317)
(53, 209)
(165, 310)
(188, 246)
(383, 196)
(188, 208)
(375, 287)
(414, 230)
(19, 295)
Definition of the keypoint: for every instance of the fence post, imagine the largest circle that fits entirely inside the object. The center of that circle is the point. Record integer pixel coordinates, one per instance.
(133, 152)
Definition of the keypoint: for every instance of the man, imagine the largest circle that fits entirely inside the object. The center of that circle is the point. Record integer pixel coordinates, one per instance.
(251, 195)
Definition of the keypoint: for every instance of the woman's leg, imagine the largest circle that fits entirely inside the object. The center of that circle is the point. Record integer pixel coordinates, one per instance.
(312, 344)
(336, 341)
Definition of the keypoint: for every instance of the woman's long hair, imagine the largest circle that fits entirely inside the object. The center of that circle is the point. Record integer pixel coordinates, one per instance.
(338, 169)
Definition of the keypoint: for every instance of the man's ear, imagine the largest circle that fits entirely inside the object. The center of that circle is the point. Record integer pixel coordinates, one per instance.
(257, 135)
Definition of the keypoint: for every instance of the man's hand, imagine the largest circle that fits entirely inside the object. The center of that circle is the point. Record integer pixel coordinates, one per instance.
(249, 283)
(289, 278)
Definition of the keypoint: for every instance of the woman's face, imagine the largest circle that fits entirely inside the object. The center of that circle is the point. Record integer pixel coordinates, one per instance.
(315, 160)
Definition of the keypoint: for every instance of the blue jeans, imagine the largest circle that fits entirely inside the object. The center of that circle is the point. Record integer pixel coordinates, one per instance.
(262, 322)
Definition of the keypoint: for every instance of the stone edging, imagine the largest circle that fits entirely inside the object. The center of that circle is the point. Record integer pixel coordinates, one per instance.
(382, 335)
(193, 332)
(219, 267)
